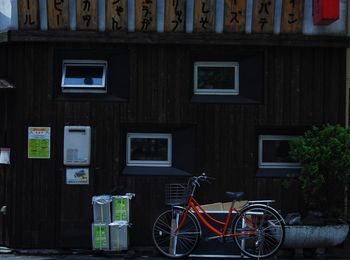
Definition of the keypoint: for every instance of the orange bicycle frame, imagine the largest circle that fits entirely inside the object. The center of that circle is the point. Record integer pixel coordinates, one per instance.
(194, 205)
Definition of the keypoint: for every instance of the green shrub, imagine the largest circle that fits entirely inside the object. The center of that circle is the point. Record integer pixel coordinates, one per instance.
(324, 155)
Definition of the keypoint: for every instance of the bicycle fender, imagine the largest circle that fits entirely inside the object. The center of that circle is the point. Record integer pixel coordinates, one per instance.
(269, 207)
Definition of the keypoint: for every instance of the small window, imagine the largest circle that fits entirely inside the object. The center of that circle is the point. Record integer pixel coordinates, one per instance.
(274, 152)
(145, 149)
(84, 76)
(216, 78)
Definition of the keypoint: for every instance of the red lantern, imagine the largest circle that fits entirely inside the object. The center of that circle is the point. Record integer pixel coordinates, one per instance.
(325, 11)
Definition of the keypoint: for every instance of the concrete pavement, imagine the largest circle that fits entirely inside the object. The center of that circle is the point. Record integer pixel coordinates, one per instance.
(139, 254)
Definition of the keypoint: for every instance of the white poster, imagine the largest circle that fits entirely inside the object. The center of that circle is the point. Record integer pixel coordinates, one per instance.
(5, 155)
(77, 176)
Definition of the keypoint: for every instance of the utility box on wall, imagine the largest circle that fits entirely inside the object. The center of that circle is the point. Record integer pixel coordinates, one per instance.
(77, 145)
(325, 11)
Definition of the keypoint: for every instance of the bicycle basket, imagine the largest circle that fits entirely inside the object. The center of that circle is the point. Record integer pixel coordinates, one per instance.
(176, 193)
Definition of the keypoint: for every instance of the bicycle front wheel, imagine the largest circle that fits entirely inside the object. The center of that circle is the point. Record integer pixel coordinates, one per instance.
(172, 242)
(260, 231)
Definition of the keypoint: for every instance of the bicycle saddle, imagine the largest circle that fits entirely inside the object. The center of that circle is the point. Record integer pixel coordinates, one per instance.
(235, 195)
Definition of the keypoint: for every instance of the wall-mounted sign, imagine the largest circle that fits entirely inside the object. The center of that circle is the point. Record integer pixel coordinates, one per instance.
(5, 155)
(204, 16)
(292, 16)
(175, 16)
(58, 15)
(87, 15)
(146, 15)
(117, 15)
(77, 176)
(235, 15)
(39, 142)
(263, 16)
(28, 14)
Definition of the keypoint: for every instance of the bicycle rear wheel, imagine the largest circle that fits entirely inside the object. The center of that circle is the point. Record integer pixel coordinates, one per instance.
(176, 244)
(262, 231)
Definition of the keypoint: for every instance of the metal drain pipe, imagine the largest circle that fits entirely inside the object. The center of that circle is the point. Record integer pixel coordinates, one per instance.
(347, 106)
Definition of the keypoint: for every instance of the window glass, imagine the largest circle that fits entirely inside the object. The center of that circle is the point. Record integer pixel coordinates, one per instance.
(84, 76)
(216, 78)
(274, 152)
(145, 149)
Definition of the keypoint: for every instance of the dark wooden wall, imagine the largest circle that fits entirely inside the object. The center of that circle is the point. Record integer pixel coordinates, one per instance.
(5, 142)
(302, 87)
(6, 115)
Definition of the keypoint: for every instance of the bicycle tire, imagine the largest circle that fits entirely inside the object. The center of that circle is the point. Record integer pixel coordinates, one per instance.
(184, 241)
(270, 231)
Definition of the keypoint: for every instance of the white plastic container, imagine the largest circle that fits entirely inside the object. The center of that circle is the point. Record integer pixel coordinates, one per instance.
(119, 236)
(102, 209)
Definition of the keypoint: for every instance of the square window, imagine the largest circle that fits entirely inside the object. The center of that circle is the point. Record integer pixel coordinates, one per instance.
(84, 76)
(216, 78)
(149, 149)
(274, 152)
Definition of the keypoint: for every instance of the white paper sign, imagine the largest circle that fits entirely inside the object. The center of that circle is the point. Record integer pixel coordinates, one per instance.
(77, 176)
(5, 155)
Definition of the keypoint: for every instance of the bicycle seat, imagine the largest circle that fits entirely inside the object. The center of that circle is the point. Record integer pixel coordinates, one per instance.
(234, 195)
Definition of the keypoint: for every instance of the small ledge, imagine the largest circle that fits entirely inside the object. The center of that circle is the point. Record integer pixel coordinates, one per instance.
(176, 38)
(278, 172)
(154, 171)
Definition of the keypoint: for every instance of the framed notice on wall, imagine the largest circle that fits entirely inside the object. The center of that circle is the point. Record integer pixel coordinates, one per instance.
(77, 176)
(39, 142)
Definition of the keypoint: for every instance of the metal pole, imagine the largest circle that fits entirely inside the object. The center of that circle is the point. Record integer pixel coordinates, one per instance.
(347, 92)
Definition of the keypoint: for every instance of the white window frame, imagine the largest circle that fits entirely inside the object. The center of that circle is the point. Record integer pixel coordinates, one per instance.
(275, 164)
(225, 64)
(84, 88)
(167, 163)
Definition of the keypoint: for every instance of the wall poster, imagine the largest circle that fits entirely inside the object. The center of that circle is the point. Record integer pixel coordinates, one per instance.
(39, 142)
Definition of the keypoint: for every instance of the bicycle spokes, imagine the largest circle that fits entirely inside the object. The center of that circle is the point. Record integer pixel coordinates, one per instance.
(171, 240)
(262, 229)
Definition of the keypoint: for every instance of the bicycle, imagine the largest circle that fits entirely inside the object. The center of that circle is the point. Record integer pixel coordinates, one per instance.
(257, 229)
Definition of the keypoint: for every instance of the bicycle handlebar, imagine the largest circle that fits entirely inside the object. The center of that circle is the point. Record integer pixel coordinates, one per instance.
(201, 178)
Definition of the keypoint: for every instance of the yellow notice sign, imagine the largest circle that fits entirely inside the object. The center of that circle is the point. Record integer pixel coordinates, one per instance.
(39, 142)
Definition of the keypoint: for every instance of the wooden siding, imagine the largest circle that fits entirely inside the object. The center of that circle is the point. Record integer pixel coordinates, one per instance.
(7, 104)
(302, 86)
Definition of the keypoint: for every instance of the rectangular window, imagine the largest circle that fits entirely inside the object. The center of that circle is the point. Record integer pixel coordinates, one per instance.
(216, 78)
(274, 152)
(149, 149)
(84, 76)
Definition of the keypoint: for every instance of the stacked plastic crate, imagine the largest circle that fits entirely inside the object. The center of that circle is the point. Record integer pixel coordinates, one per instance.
(111, 222)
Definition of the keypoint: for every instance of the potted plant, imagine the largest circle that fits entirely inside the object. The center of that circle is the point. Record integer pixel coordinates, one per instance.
(324, 156)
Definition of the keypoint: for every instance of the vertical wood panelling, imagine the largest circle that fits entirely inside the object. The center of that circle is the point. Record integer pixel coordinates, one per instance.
(303, 87)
